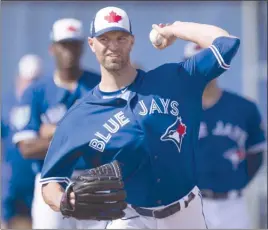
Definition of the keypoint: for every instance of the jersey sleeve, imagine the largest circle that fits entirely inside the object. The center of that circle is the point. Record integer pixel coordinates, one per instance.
(63, 153)
(213, 61)
(25, 116)
(256, 141)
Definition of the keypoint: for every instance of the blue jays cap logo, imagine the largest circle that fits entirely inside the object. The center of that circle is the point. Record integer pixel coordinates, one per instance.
(175, 133)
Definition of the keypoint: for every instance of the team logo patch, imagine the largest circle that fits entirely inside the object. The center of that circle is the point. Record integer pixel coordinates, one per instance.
(235, 156)
(113, 17)
(20, 116)
(175, 133)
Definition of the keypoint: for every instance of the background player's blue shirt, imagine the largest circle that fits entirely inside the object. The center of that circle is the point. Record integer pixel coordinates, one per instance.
(11, 153)
(8, 104)
(8, 101)
(45, 102)
(229, 130)
(152, 130)
(4, 130)
(4, 134)
(17, 174)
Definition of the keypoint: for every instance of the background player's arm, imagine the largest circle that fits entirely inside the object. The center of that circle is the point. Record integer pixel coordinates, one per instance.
(254, 162)
(35, 148)
(255, 144)
(31, 138)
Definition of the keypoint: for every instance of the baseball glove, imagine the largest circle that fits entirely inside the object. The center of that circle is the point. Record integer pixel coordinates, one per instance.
(99, 194)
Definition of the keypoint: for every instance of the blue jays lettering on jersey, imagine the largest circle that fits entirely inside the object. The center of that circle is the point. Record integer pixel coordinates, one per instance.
(229, 130)
(152, 129)
(45, 102)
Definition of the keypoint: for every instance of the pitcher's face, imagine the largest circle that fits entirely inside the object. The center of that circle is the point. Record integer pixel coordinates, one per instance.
(112, 49)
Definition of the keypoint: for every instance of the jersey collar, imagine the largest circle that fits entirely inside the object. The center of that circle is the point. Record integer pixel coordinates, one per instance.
(96, 96)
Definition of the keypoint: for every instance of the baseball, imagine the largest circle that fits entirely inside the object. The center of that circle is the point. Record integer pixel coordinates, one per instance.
(155, 37)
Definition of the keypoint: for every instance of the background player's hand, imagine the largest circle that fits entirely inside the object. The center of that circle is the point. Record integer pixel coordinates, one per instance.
(165, 30)
(47, 130)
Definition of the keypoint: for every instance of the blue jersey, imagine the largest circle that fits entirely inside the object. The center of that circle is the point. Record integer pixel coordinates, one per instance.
(4, 134)
(151, 128)
(46, 102)
(229, 130)
(8, 103)
(4, 130)
(17, 174)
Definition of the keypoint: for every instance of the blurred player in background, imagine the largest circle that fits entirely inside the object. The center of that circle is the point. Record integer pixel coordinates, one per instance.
(4, 173)
(45, 103)
(231, 147)
(17, 173)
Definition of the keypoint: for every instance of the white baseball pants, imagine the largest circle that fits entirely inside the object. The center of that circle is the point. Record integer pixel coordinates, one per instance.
(227, 214)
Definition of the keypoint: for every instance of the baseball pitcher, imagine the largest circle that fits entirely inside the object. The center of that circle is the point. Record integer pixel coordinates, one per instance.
(142, 127)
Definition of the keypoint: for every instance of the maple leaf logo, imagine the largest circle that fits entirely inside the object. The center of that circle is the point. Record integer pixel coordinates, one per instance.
(71, 28)
(181, 129)
(113, 17)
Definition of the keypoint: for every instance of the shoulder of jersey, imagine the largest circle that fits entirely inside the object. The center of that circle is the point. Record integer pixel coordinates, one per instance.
(74, 110)
(91, 77)
(93, 73)
(164, 68)
(41, 83)
(240, 100)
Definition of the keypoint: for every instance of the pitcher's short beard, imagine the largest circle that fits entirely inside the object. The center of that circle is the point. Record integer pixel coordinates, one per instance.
(114, 66)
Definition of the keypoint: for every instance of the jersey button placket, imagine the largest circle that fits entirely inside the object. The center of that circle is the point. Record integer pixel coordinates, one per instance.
(157, 179)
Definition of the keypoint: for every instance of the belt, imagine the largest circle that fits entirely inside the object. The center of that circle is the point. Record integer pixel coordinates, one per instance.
(165, 212)
(221, 195)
